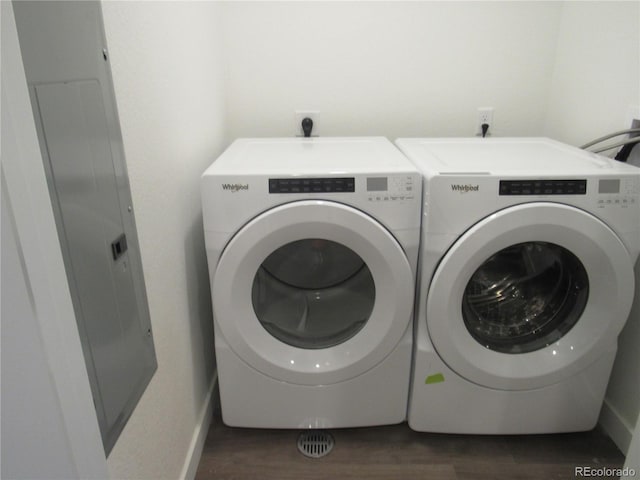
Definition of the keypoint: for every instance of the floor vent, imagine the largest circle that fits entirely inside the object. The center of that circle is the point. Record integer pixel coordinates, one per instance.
(315, 443)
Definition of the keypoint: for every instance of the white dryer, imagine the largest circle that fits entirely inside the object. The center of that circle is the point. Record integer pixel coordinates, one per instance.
(312, 247)
(526, 280)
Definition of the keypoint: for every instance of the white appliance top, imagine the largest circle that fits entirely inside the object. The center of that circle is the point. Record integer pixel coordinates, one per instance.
(311, 156)
(506, 156)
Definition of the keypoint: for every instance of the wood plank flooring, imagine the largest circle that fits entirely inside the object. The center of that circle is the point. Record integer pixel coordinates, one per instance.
(397, 452)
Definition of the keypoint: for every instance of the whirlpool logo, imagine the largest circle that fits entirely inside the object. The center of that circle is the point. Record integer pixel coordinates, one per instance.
(235, 187)
(465, 188)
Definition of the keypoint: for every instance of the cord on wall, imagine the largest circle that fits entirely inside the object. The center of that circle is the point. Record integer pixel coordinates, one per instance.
(627, 144)
(307, 126)
(485, 129)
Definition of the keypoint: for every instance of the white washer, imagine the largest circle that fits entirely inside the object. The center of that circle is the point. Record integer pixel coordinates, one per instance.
(312, 247)
(526, 280)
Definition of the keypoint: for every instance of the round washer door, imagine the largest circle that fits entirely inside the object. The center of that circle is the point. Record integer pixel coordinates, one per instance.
(313, 292)
(529, 296)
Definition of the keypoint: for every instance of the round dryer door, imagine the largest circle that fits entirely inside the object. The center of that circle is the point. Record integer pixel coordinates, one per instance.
(313, 292)
(529, 296)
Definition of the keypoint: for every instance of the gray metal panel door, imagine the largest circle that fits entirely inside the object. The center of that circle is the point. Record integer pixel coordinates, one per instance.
(114, 326)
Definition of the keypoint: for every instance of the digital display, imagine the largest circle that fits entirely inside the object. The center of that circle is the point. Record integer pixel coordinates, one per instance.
(376, 184)
(543, 187)
(312, 185)
(609, 186)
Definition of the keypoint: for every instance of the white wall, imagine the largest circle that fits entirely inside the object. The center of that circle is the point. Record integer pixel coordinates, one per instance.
(389, 68)
(167, 74)
(49, 428)
(595, 83)
(596, 77)
(622, 402)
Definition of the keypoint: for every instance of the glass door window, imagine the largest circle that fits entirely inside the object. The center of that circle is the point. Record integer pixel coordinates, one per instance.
(313, 293)
(525, 297)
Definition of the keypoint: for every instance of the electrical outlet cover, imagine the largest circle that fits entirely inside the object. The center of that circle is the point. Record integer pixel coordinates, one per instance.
(485, 115)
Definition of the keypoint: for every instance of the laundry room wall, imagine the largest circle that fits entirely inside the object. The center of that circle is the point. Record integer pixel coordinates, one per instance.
(389, 68)
(595, 85)
(594, 91)
(167, 73)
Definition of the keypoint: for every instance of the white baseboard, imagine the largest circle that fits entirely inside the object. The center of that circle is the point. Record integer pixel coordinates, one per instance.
(199, 434)
(616, 427)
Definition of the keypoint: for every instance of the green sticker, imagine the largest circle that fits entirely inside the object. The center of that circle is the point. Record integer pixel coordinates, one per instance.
(437, 378)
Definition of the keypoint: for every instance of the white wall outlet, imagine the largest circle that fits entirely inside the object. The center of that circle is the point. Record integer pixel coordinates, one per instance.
(300, 115)
(633, 113)
(485, 115)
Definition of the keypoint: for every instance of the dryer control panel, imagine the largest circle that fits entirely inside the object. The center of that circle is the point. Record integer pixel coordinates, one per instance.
(311, 185)
(390, 188)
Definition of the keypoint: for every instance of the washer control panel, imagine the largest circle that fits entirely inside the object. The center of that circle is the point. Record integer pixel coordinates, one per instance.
(543, 187)
(390, 188)
(618, 192)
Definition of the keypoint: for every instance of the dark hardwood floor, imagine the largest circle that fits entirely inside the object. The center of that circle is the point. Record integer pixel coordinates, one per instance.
(397, 452)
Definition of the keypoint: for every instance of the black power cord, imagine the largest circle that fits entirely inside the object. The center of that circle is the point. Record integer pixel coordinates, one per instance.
(624, 152)
(485, 129)
(627, 144)
(307, 126)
